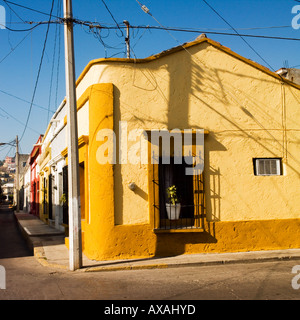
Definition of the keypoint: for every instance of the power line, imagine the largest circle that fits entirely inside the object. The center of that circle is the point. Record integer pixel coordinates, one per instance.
(17, 120)
(92, 25)
(58, 55)
(219, 15)
(21, 99)
(147, 11)
(210, 32)
(39, 70)
(112, 17)
(13, 49)
(22, 30)
(8, 150)
(31, 9)
(52, 69)
(14, 11)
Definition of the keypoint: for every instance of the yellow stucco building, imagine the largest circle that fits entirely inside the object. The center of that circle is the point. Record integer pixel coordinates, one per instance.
(245, 199)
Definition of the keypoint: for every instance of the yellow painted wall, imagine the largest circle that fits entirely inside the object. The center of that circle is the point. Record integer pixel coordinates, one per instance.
(249, 113)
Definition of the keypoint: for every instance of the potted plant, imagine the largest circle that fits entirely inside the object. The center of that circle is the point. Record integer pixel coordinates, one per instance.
(173, 207)
(63, 199)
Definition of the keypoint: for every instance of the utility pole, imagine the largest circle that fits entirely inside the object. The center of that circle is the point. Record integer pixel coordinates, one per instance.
(17, 175)
(75, 245)
(127, 40)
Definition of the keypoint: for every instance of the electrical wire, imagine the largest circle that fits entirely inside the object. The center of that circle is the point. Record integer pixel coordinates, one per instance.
(39, 71)
(13, 49)
(11, 9)
(95, 30)
(31, 9)
(52, 68)
(211, 32)
(147, 11)
(8, 150)
(21, 99)
(58, 55)
(112, 17)
(92, 26)
(27, 29)
(248, 44)
(17, 120)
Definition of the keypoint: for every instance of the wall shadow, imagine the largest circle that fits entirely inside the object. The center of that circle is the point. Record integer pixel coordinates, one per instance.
(179, 117)
(193, 80)
(118, 179)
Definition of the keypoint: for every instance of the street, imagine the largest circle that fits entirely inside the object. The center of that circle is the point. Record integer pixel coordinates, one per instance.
(26, 279)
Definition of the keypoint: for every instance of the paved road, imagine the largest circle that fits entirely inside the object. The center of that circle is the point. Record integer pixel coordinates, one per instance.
(12, 242)
(27, 279)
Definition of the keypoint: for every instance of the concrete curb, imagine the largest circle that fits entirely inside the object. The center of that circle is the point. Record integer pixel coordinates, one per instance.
(41, 257)
(38, 245)
(244, 260)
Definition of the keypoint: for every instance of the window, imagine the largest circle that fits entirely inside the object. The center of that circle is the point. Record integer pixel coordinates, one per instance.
(45, 196)
(64, 200)
(174, 174)
(50, 210)
(267, 166)
(190, 195)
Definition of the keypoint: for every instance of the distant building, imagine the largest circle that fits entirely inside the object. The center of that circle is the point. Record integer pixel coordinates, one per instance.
(9, 160)
(35, 178)
(23, 167)
(8, 190)
(291, 74)
(10, 164)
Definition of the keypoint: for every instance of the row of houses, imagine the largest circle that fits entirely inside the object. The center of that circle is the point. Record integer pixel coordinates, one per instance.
(245, 197)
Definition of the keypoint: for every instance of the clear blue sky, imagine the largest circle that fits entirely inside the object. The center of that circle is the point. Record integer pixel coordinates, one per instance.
(21, 58)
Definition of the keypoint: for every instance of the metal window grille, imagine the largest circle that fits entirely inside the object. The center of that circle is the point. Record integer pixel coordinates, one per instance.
(268, 167)
(65, 191)
(50, 195)
(190, 191)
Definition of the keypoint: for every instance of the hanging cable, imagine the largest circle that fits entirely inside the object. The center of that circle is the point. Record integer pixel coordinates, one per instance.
(13, 49)
(17, 120)
(11, 9)
(21, 99)
(248, 44)
(58, 55)
(52, 70)
(39, 70)
(28, 8)
(112, 17)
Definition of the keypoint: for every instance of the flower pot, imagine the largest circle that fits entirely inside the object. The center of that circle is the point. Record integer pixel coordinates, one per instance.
(173, 211)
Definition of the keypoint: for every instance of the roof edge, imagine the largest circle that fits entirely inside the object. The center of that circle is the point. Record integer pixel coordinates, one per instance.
(183, 47)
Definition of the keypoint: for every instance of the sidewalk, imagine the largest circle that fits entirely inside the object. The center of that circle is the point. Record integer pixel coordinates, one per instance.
(48, 246)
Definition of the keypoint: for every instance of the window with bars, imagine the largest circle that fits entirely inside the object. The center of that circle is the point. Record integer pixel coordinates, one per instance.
(50, 210)
(267, 166)
(65, 192)
(190, 194)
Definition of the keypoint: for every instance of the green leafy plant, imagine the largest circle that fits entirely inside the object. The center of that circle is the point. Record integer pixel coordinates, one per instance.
(172, 194)
(63, 199)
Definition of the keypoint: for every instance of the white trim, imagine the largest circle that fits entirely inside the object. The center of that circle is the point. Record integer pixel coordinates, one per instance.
(262, 161)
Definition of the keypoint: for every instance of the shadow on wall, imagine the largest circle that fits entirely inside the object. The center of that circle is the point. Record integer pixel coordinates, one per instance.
(176, 244)
(178, 117)
(192, 80)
